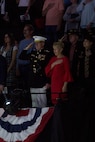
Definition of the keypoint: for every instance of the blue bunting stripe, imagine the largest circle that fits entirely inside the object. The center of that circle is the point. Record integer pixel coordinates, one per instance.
(18, 128)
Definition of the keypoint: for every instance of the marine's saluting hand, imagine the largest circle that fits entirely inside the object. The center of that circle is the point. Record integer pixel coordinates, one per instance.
(29, 46)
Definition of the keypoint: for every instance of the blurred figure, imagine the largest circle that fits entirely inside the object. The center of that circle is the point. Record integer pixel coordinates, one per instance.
(9, 51)
(2, 11)
(23, 66)
(85, 63)
(73, 45)
(74, 48)
(35, 11)
(53, 12)
(23, 6)
(87, 9)
(86, 79)
(11, 13)
(82, 92)
(71, 16)
(3, 73)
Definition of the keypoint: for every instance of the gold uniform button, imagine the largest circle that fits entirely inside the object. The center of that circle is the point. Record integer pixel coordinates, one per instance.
(33, 65)
(34, 70)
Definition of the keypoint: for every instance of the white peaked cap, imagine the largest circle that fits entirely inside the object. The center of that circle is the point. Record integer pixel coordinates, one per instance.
(39, 38)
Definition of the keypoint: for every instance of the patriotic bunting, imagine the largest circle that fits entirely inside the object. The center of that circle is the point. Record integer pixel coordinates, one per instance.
(25, 126)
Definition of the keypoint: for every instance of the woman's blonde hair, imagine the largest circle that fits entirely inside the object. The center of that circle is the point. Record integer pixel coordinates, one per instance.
(59, 44)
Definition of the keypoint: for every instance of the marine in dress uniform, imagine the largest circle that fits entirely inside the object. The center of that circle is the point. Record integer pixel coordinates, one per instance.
(37, 78)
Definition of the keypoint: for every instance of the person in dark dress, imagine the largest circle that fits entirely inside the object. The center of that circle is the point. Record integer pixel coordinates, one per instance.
(3, 73)
(3, 70)
(84, 90)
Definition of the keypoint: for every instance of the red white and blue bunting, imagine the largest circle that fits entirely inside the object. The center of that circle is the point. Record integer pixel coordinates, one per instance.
(25, 126)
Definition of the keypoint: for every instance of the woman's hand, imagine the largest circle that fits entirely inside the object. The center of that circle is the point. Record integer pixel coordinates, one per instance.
(64, 88)
(59, 61)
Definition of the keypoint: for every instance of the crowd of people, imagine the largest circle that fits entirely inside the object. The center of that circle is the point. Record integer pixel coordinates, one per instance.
(50, 18)
(48, 48)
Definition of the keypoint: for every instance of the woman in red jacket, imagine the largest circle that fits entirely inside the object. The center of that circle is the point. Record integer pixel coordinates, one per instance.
(58, 69)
